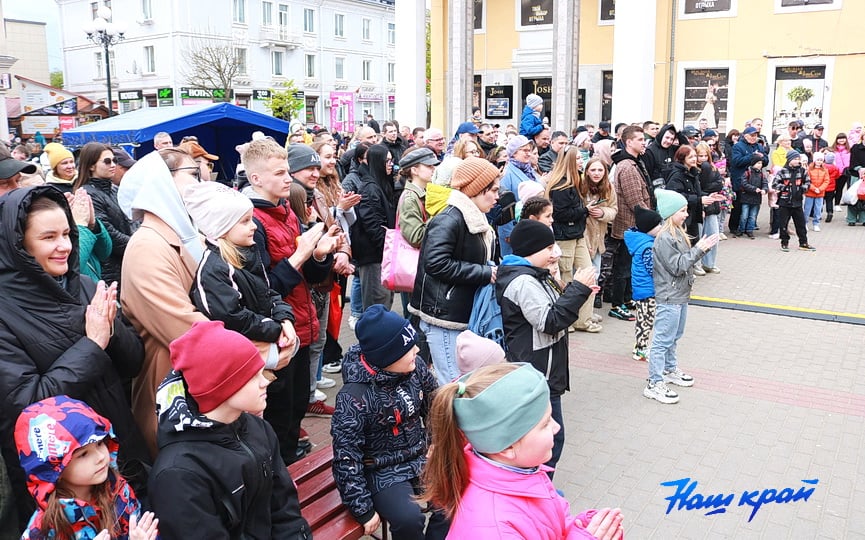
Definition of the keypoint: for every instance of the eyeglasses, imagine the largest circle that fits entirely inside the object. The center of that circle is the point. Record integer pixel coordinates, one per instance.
(208, 164)
(473, 152)
(109, 160)
(196, 172)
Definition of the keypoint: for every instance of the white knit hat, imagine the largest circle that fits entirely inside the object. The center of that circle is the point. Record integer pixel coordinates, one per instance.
(215, 208)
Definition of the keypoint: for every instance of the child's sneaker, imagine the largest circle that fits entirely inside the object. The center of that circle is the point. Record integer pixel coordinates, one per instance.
(320, 409)
(333, 367)
(784, 248)
(678, 378)
(661, 392)
(807, 247)
(622, 313)
(640, 355)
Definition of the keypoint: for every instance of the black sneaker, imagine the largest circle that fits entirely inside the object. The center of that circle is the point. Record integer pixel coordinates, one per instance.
(622, 313)
(807, 247)
(599, 303)
(784, 248)
(631, 305)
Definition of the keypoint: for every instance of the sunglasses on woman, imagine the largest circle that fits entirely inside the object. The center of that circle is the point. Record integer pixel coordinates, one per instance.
(109, 161)
(196, 172)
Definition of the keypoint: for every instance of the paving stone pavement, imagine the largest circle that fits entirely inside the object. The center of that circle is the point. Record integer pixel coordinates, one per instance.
(777, 400)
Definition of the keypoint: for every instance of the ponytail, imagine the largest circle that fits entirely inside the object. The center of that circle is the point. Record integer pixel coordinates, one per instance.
(446, 474)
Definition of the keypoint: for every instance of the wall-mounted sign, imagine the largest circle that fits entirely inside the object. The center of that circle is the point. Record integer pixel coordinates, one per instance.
(165, 97)
(37, 96)
(791, 3)
(706, 6)
(607, 10)
(536, 12)
(300, 94)
(261, 95)
(498, 100)
(542, 86)
(706, 97)
(476, 91)
(369, 96)
(70, 106)
(581, 104)
(202, 93)
(130, 95)
(5, 81)
(799, 93)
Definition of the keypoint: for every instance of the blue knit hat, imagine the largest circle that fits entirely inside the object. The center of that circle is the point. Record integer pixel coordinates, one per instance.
(384, 337)
(669, 202)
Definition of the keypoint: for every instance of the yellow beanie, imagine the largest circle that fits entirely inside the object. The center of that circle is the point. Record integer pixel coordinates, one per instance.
(56, 153)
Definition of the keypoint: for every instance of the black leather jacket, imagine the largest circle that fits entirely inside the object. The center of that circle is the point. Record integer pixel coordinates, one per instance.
(452, 266)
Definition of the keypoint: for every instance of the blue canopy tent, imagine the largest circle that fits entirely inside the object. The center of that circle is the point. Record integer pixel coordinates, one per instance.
(219, 128)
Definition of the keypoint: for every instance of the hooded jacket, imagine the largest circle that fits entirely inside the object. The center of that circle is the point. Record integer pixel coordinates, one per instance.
(219, 481)
(239, 297)
(536, 316)
(499, 503)
(276, 240)
(105, 206)
(659, 160)
(452, 264)
(44, 349)
(753, 180)
(375, 212)
(158, 271)
(639, 245)
(739, 162)
(687, 182)
(47, 434)
(569, 213)
(379, 438)
(530, 123)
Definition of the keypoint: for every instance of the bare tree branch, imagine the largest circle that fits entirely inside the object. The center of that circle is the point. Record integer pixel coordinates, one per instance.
(210, 63)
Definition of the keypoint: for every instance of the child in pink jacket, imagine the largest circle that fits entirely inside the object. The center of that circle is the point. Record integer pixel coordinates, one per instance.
(496, 486)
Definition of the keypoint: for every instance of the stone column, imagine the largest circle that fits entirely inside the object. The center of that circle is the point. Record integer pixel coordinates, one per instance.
(410, 51)
(566, 64)
(634, 61)
(460, 67)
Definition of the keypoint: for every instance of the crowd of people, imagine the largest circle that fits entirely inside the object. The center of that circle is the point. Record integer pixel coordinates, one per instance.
(163, 336)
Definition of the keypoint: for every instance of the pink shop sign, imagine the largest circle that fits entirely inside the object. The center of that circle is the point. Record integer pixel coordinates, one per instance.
(342, 111)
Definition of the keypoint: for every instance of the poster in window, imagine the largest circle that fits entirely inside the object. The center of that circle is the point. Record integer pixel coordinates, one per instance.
(706, 6)
(608, 10)
(476, 91)
(706, 97)
(796, 3)
(798, 96)
(543, 87)
(479, 14)
(498, 100)
(581, 104)
(536, 12)
(607, 96)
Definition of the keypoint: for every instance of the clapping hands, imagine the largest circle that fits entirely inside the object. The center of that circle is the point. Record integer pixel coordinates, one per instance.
(99, 317)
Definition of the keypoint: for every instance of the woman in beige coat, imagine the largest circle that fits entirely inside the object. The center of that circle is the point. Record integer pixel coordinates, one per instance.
(600, 197)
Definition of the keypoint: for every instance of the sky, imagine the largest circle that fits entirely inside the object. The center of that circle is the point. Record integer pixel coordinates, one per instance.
(41, 11)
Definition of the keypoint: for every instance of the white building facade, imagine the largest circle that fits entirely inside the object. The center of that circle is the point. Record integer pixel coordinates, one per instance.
(339, 53)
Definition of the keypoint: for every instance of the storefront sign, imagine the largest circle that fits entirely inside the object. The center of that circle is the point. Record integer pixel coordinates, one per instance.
(542, 86)
(342, 110)
(367, 96)
(218, 94)
(706, 6)
(706, 97)
(536, 12)
(608, 10)
(261, 95)
(799, 95)
(43, 124)
(130, 95)
(70, 106)
(165, 97)
(35, 97)
(498, 101)
(67, 122)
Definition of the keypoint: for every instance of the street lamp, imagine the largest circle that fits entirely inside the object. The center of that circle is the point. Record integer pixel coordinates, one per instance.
(105, 33)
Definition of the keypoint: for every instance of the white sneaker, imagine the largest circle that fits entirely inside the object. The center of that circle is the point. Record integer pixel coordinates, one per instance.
(320, 396)
(324, 382)
(698, 271)
(838, 208)
(352, 320)
(774, 236)
(661, 392)
(816, 228)
(678, 378)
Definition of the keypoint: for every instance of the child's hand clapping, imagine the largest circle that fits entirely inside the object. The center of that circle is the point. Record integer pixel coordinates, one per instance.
(145, 529)
(708, 242)
(586, 276)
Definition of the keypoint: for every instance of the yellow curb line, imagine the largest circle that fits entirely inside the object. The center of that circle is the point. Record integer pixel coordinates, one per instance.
(778, 306)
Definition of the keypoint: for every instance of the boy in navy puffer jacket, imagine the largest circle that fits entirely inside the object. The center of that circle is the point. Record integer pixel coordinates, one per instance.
(379, 436)
(639, 241)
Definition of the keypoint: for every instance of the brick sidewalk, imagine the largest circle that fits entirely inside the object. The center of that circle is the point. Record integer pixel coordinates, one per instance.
(777, 400)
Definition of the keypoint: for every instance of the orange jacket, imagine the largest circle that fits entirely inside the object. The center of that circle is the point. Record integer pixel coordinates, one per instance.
(819, 181)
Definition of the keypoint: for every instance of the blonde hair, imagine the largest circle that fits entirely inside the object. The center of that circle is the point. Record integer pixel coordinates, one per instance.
(461, 148)
(678, 232)
(258, 152)
(446, 474)
(566, 171)
(229, 252)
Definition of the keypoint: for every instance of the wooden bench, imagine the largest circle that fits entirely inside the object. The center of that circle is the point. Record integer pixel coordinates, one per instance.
(320, 503)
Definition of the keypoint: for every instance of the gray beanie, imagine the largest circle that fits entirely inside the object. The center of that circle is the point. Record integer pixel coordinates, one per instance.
(533, 100)
(301, 156)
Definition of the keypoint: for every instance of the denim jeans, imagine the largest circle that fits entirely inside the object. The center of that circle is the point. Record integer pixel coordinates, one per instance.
(316, 348)
(443, 350)
(748, 219)
(710, 227)
(558, 438)
(669, 327)
(356, 298)
(815, 204)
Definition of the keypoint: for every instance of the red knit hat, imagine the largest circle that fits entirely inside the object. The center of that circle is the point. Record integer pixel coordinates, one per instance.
(213, 379)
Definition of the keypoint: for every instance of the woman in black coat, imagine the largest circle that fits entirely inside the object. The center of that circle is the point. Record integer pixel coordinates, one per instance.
(95, 174)
(59, 332)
